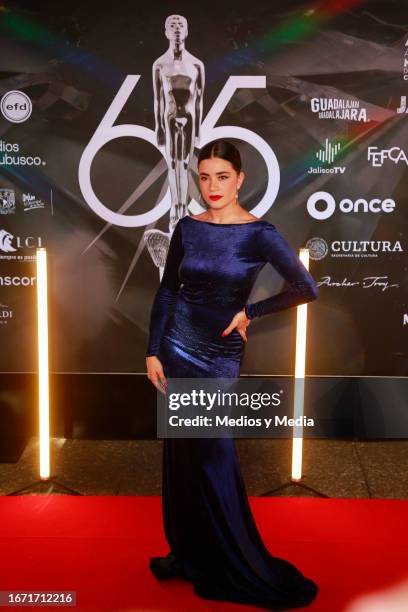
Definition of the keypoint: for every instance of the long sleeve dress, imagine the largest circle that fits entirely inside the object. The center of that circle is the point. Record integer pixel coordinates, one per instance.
(213, 539)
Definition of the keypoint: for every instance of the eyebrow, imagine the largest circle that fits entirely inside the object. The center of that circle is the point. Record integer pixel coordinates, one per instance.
(206, 174)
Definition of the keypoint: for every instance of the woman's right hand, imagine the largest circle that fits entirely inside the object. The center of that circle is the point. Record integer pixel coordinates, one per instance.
(155, 373)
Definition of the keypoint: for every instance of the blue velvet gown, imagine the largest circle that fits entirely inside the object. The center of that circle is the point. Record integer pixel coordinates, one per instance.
(213, 539)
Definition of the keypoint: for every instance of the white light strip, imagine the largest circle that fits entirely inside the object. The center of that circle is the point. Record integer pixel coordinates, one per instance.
(299, 390)
(43, 374)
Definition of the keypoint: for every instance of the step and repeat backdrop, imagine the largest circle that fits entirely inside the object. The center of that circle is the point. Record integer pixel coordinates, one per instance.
(104, 108)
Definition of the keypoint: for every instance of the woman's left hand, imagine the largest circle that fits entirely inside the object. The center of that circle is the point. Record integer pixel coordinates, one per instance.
(240, 322)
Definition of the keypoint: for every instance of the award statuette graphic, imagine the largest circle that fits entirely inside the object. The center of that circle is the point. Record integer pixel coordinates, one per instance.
(178, 85)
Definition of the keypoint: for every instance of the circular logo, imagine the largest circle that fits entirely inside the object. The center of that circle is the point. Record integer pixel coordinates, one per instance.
(327, 199)
(16, 106)
(317, 248)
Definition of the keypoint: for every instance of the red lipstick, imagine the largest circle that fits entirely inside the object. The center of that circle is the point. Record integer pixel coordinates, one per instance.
(215, 197)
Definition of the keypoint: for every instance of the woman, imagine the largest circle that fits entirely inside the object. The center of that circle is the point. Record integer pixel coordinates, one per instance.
(199, 330)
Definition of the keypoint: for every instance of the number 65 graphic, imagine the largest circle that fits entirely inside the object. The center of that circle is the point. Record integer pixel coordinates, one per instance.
(107, 131)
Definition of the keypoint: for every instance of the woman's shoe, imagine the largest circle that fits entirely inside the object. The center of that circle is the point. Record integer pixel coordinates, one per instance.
(165, 567)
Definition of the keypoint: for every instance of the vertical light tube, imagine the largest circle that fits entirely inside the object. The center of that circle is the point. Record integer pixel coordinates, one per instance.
(43, 374)
(299, 389)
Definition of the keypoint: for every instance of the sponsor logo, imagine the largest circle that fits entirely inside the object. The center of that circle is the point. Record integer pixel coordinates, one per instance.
(7, 159)
(30, 202)
(6, 314)
(378, 156)
(376, 205)
(327, 155)
(329, 152)
(16, 106)
(368, 282)
(17, 281)
(403, 105)
(5, 242)
(338, 108)
(12, 245)
(318, 248)
(7, 201)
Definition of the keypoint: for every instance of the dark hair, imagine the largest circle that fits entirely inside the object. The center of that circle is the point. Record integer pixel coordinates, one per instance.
(224, 149)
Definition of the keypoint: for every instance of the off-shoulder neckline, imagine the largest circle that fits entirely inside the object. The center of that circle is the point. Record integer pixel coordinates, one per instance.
(223, 224)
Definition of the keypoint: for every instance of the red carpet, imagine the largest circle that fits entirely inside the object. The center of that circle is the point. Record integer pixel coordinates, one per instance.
(100, 547)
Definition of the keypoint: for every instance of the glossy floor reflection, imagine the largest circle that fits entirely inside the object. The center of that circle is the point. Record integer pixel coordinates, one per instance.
(335, 468)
